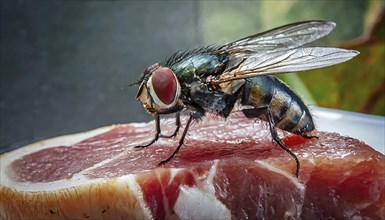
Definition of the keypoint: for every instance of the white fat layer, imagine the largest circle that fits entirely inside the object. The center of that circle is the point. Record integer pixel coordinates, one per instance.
(67, 140)
(311, 160)
(200, 202)
(132, 184)
(73, 180)
(165, 200)
(294, 180)
(192, 203)
(173, 173)
(290, 213)
(213, 170)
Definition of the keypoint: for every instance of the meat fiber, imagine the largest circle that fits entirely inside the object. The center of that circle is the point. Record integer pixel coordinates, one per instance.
(227, 169)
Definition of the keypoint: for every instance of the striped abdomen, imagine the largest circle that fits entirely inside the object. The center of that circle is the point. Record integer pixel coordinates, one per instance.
(289, 112)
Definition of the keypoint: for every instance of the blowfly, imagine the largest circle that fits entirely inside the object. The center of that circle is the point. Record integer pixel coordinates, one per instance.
(239, 77)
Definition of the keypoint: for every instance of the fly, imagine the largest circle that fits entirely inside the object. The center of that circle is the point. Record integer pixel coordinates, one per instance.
(239, 77)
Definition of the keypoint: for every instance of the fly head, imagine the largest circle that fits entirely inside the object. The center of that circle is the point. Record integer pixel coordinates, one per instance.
(159, 90)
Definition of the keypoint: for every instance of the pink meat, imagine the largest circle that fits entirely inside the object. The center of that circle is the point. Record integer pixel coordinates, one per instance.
(340, 177)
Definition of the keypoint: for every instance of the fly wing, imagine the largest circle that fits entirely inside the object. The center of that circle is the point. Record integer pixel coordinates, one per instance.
(294, 60)
(281, 38)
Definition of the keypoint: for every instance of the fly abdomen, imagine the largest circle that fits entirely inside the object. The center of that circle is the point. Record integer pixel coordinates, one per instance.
(288, 110)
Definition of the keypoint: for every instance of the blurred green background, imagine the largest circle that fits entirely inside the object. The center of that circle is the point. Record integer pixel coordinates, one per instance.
(358, 85)
(65, 65)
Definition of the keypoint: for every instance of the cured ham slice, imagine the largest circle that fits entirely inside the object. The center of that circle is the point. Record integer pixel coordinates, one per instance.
(227, 169)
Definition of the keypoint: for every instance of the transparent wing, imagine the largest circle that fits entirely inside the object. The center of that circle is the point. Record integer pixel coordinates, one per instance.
(281, 38)
(294, 60)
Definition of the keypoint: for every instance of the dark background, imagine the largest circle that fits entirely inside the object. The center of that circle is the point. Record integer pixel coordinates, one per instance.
(66, 65)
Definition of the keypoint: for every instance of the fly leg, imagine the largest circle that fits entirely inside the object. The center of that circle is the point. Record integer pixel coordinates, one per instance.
(180, 142)
(158, 130)
(177, 123)
(157, 133)
(276, 138)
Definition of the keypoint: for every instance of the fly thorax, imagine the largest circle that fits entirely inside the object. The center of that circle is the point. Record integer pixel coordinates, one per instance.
(198, 87)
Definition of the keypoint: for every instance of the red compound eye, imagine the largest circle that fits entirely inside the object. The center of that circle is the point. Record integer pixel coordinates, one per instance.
(164, 84)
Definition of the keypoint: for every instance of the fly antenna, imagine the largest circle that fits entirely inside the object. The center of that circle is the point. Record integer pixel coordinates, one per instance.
(134, 83)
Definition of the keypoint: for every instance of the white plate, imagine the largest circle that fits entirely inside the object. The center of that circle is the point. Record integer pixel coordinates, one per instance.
(367, 128)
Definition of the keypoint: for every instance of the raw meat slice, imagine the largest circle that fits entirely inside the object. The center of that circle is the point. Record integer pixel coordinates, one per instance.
(228, 169)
